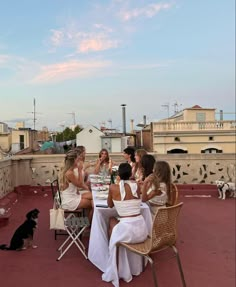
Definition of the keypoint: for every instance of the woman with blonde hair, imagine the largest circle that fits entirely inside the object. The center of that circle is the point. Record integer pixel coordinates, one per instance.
(104, 163)
(69, 184)
(156, 187)
(137, 170)
(81, 152)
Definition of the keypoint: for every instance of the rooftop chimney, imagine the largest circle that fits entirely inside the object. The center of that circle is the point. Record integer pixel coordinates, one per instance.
(221, 115)
(144, 120)
(124, 118)
(131, 125)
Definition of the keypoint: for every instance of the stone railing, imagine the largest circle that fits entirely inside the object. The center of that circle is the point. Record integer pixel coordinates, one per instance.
(193, 126)
(37, 170)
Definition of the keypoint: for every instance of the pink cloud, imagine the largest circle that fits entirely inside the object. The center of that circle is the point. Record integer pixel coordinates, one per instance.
(98, 43)
(148, 11)
(68, 70)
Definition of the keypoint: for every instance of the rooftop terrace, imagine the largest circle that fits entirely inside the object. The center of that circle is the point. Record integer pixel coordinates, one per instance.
(206, 243)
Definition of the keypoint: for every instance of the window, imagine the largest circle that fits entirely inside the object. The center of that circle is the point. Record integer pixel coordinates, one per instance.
(211, 138)
(177, 139)
(201, 117)
(177, 150)
(211, 150)
(22, 141)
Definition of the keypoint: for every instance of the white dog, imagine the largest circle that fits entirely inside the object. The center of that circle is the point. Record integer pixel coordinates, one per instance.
(223, 187)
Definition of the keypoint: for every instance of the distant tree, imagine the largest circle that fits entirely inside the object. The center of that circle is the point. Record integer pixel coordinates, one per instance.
(68, 134)
(77, 129)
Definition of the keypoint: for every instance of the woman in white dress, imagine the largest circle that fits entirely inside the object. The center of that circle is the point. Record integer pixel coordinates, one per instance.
(137, 170)
(156, 187)
(81, 152)
(104, 163)
(130, 227)
(69, 184)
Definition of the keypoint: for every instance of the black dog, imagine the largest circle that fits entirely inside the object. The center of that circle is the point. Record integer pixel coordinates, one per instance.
(23, 236)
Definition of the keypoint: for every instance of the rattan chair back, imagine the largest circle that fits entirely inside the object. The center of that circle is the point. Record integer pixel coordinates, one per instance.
(164, 235)
(173, 197)
(164, 229)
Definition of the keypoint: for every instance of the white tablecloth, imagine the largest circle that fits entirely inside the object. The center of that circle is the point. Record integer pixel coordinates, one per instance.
(98, 252)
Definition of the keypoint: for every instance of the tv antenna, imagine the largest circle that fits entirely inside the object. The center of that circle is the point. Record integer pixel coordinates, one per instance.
(176, 107)
(110, 122)
(167, 106)
(34, 113)
(73, 117)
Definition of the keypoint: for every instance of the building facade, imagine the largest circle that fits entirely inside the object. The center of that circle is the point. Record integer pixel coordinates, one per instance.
(194, 130)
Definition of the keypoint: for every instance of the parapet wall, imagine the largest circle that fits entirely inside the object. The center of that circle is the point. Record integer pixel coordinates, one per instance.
(39, 170)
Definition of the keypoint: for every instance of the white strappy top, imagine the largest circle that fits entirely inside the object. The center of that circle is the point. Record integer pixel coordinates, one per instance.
(130, 206)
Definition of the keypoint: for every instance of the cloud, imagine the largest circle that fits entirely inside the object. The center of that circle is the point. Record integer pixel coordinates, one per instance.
(148, 11)
(17, 120)
(145, 66)
(4, 59)
(57, 37)
(83, 42)
(97, 43)
(67, 70)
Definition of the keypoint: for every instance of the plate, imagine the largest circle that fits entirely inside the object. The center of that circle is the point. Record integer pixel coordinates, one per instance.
(103, 188)
(102, 196)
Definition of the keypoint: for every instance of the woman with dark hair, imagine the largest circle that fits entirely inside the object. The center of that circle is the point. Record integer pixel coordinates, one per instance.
(147, 162)
(128, 154)
(130, 227)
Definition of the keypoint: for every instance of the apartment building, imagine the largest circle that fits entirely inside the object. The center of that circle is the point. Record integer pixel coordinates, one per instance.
(194, 130)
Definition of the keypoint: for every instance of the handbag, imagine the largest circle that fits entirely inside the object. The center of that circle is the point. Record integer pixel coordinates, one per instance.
(57, 218)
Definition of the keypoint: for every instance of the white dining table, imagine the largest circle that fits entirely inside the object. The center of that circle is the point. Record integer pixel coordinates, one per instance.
(98, 252)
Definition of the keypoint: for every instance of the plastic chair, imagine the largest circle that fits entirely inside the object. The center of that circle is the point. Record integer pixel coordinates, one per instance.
(163, 236)
(57, 199)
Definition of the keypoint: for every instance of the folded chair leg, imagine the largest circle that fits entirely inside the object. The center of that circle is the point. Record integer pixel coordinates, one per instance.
(68, 238)
(75, 240)
(179, 265)
(153, 270)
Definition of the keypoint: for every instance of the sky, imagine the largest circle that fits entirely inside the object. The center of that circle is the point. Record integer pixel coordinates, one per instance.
(81, 60)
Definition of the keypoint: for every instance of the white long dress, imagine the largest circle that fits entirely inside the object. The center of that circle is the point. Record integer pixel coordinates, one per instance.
(129, 229)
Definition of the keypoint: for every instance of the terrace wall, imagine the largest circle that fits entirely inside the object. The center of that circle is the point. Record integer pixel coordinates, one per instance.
(39, 170)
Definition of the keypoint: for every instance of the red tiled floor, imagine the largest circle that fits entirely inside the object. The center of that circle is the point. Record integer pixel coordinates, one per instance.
(206, 244)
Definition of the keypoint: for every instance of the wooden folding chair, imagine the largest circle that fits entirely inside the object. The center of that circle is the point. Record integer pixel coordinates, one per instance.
(57, 199)
(163, 236)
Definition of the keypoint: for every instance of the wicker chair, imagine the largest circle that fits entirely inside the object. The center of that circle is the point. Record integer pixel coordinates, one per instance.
(57, 198)
(173, 199)
(164, 235)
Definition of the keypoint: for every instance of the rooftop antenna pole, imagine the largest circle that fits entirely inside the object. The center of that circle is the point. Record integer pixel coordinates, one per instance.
(73, 117)
(110, 121)
(167, 106)
(34, 112)
(176, 107)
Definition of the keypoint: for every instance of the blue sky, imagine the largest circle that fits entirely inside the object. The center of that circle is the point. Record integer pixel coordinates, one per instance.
(88, 57)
